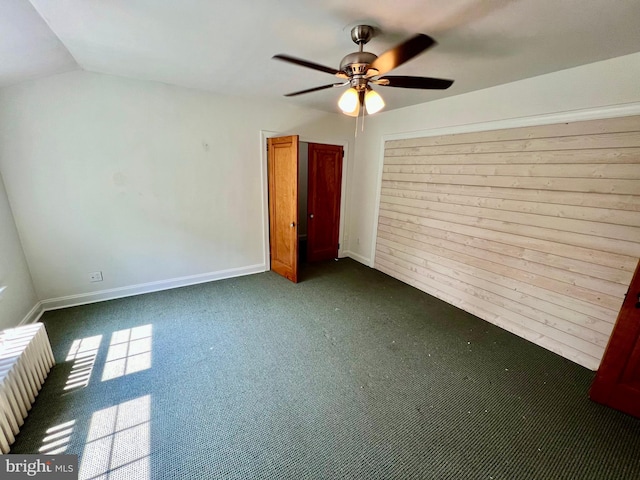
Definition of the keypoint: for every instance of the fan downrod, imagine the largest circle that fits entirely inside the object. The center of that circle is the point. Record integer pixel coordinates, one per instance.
(356, 64)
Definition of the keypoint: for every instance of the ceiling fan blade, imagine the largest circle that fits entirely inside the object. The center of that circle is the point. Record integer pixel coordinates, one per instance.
(424, 83)
(400, 54)
(315, 89)
(308, 64)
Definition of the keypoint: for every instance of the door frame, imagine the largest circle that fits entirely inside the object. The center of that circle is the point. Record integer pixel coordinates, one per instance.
(264, 134)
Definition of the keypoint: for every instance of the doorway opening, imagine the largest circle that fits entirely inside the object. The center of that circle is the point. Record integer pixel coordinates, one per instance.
(303, 196)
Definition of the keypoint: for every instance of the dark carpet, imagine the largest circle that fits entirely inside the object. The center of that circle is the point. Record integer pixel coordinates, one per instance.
(348, 374)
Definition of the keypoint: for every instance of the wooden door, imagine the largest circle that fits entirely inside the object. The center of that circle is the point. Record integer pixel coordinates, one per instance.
(617, 383)
(323, 205)
(282, 168)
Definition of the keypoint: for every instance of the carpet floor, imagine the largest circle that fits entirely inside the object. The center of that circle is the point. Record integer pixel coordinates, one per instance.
(348, 374)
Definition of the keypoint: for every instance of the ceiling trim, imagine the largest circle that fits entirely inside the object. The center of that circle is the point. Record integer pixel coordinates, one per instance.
(611, 111)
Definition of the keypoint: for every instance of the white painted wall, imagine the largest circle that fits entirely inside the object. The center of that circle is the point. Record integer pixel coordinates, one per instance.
(607, 83)
(18, 297)
(142, 181)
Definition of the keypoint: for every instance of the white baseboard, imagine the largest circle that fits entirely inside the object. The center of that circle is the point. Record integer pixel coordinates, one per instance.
(358, 258)
(129, 291)
(34, 314)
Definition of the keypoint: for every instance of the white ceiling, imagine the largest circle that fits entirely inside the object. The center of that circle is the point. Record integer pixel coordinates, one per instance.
(225, 46)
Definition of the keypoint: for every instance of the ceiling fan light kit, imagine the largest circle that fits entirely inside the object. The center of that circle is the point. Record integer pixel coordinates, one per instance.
(373, 101)
(349, 102)
(359, 69)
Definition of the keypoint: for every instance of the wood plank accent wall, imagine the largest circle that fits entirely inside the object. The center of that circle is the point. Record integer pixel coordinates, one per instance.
(534, 229)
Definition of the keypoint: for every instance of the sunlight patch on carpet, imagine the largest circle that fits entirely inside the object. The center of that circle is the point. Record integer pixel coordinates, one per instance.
(129, 352)
(118, 442)
(57, 439)
(83, 353)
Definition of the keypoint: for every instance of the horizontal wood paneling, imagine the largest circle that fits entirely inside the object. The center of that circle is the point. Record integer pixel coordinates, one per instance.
(550, 143)
(534, 229)
(588, 185)
(600, 155)
(579, 212)
(626, 171)
(609, 201)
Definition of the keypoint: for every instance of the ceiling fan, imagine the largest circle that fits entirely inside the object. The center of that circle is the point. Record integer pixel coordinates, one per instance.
(361, 69)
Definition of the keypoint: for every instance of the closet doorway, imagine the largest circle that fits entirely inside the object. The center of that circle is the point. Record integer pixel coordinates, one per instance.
(305, 188)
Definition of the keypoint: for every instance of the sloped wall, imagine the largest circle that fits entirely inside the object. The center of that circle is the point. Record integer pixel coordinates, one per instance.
(18, 297)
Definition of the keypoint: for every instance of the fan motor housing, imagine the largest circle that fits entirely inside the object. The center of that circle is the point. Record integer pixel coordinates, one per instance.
(356, 63)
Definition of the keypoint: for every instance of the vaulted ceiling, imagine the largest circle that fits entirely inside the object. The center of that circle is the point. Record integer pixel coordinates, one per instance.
(225, 46)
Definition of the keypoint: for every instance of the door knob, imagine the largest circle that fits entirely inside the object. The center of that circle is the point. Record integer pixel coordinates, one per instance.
(293, 224)
(311, 216)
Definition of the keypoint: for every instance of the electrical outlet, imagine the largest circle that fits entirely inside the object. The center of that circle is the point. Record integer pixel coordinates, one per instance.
(95, 277)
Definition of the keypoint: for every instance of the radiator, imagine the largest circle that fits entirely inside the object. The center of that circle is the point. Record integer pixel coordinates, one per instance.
(25, 361)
